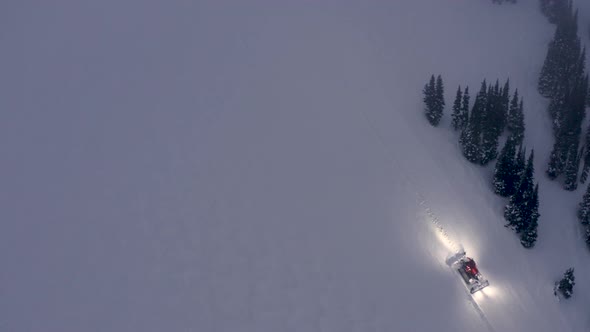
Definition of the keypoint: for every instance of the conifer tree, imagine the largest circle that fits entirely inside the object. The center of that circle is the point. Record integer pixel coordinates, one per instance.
(471, 136)
(517, 213)
(439, 98)
(516, 118)
(562, 55)
(584, 209)
(529, 236)
(506, 99)
(571, 168)
(519, 164)
(548, 71)
(489, 148)
(586, 158)
(584, 213)
(579, 109)
(512, 211)
(512, 111)
(556, 161)
(564, 157)
(464, 114)
(457, 119)
(478, 119)
(504, 172)
(519, 122)
(557, 106)
(470, 141)
(430, 102)
(553, 166)
(501, 111)
(493, 124)
(478, 111)
(584, 174)
(526, 186)
(578, 71)
(566, 284)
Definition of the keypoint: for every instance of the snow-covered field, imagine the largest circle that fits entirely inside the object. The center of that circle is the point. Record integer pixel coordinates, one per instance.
(223, 166)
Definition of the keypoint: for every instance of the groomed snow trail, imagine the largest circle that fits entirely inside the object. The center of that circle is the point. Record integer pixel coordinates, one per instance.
(434, 219)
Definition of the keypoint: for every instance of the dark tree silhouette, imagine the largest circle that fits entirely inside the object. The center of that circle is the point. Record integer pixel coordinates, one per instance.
(566, 284)
(505, 170)
(457, 119)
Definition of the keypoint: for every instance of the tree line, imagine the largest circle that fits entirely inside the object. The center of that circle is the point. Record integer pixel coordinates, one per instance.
(495, 111)
(564, 81)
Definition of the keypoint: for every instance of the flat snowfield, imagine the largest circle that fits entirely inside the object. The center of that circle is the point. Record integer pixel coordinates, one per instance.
(218, 166)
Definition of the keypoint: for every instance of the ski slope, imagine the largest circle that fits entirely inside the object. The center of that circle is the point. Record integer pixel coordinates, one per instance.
(223, 166)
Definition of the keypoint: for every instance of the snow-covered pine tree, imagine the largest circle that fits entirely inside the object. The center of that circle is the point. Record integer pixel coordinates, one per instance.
(559, 155)
(586, 167)
(556, 108)
(517, 213)
(565, 156)
(529, 236)
(512, 211)
(584, 209)
(548, 71)
(439, 99)
(519, 164)
(505, 102)
(584, 213)
(512, 110)
(504, 172)
(429, 101)
(492, 125)
(566, 284)
(457, 119)
(519, 126)
(478, 111)
(527, 185)
(516, 118)
(579, 69)
(465, 108)
(568, 79)
(477, 120)
(556, 160)
(471, 136)
(571, 168)
(499, 114)
(517, 172)
(562, 55)
(489, 146)
(586, 154)
(470, 140)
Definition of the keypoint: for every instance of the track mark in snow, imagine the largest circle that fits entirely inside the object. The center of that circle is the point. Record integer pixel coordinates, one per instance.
(435, 220)
(456, 249)
(480, 312)
(423, 203)
(421, 199)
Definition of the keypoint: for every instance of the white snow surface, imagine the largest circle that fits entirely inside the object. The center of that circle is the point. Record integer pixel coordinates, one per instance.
(266, 166)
